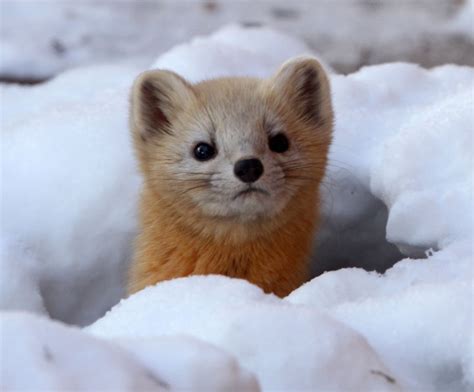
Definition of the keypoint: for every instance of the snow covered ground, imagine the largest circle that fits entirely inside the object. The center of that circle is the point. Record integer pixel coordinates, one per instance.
(399, 187)
(347, 33)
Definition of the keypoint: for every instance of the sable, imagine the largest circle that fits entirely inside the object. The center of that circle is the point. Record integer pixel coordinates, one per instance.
(231, 170)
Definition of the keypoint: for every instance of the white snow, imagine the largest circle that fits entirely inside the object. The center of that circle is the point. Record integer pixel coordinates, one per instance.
(400, 167)
(288, 347)
(403, 118)
(70, 186)
(53, 356)
(462, 23)
(225, 50)
(417, 315)
(19, 284)
(187, 363)
(39, 39)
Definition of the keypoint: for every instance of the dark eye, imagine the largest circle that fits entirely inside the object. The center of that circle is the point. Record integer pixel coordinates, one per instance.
(204, 151)
(278, 143)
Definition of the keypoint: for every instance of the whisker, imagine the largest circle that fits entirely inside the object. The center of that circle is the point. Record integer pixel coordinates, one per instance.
(189, 173)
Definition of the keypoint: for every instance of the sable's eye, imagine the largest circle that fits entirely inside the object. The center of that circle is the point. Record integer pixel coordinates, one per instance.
(278, 143)
(204, 151)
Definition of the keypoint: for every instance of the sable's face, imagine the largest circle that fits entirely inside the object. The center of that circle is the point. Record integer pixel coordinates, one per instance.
(234, 148)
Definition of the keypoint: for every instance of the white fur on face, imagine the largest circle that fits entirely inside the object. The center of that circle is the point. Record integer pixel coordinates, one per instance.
(236, 116)
(213, 186)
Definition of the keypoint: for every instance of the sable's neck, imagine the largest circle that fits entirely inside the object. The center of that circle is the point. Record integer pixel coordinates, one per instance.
(272, 256)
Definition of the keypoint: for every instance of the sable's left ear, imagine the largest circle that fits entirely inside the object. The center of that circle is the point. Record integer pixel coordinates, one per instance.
(156, 96)
(303, 83)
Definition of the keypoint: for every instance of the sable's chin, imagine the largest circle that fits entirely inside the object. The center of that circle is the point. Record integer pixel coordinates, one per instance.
(247, 205)
(250, 192)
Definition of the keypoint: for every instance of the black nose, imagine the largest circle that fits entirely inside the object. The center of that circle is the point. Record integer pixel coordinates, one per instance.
(248, 170)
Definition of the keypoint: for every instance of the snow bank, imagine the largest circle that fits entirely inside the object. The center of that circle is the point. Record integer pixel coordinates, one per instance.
(417, 316)
(347, 33)
(56, 357)
(400, 167)
(416, 190)
(52, 356)
(231, 51)
(415, 128)
(70, 186)
(288, 347)
(394, 113)
(189, 364)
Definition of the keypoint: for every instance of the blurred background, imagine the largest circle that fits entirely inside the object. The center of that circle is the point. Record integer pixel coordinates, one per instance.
(40, 38)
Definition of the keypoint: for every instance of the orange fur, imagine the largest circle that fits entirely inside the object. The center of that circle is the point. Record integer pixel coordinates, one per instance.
(177, 239)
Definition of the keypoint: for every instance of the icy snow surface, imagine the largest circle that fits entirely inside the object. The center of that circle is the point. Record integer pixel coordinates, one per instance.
(402, 157)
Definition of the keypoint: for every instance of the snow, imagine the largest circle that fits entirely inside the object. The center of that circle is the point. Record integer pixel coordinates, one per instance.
(187, 363)
(400, 170)
(19, 286)
(72, 186)
(379, 111)
(348, 34)
(288, 347)
(462, 21)
(417, 315)
(57, 357)
(407, 188)
(225, 50)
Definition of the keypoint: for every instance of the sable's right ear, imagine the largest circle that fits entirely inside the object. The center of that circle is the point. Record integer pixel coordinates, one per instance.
(303, 83)
(155, 97)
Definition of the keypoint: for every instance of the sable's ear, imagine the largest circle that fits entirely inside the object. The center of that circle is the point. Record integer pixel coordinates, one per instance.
(303, 83)
(155, 97)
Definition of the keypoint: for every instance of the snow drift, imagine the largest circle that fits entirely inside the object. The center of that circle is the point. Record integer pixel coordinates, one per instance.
(56, 357)
(400, 170)
(68, 34)
(289, 347)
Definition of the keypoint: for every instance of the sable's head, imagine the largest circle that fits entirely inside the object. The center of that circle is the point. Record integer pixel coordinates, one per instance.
(233, 148)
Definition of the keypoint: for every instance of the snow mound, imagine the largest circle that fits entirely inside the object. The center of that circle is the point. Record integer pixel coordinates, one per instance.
(189, 364)
(56, 357)
(415, 129)
(232, 51)
(288, 347)
(70, 186)
(417, 316)
(416, 191)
